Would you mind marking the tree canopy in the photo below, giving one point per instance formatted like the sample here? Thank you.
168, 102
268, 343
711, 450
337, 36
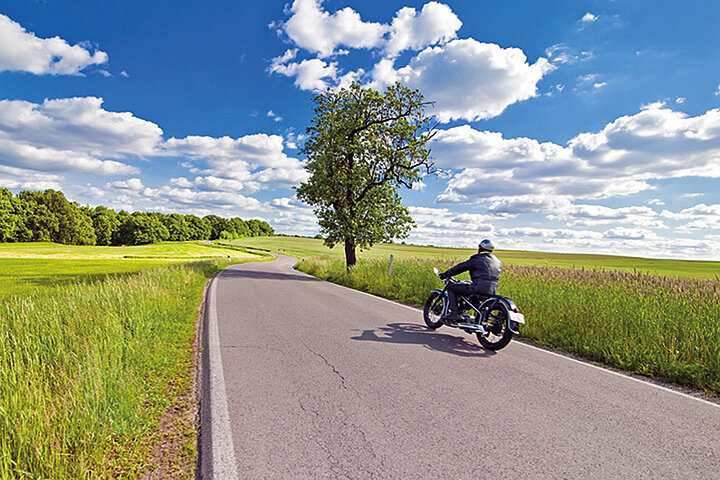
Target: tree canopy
34, 216
363, 145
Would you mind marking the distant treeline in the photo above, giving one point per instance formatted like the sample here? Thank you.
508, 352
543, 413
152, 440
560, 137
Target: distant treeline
34, 216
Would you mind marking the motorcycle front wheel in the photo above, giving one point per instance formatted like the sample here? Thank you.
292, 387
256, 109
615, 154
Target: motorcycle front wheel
435, 306
495, 321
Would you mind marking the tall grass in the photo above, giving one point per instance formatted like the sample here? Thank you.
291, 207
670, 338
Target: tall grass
85, 371
665, 327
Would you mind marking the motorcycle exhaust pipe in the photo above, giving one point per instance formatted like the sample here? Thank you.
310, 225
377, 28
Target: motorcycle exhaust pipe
471, 326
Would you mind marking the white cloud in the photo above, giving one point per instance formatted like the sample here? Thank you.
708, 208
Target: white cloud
132, 194
318, 31
22, 51
131, 184
622, 233
78, 136
656, 143
73, 135
78, 124
592, 215
20, 178
471, 80
467, 79
699, 217
246, 164
274, 116
436, 23
313, 74
589, 18
563, 54
258, 150
443, 227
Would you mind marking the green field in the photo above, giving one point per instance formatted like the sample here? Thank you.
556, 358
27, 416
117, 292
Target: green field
27, 266
95, 347
309, 247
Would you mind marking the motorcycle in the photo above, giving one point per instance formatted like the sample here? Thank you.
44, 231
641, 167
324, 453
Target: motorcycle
494, 318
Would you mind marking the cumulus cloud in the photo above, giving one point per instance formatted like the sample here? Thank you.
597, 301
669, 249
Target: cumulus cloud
133, 194
592, 215
289, 215
78, 136
442, 226
472, 80
246, 164
410, 30
73, 135
621, 159
23, 51
699, 217
320, 32
21, 178
589, 18
467, 79
313, 74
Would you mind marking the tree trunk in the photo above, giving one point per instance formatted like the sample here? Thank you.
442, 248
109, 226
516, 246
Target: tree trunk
350, 258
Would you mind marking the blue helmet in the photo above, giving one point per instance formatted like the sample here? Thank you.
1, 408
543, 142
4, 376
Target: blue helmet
486, 245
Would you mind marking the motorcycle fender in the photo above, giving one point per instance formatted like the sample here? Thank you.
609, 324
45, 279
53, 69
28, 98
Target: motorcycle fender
440, 292
510, 305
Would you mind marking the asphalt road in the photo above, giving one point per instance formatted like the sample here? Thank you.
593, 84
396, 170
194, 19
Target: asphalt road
320, 381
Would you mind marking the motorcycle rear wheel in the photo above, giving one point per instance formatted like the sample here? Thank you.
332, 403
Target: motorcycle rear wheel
435, 306
495, 321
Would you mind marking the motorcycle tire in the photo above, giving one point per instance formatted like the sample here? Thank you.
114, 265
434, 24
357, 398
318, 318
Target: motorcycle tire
434, 308
495, 320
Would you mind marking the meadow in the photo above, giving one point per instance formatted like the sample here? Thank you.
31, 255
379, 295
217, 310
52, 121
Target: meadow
657, 318
25, 267
308, 247
96, 343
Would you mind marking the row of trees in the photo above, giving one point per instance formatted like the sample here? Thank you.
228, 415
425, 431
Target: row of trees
34, 216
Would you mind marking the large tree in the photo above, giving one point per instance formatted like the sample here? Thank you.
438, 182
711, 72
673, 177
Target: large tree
362, 146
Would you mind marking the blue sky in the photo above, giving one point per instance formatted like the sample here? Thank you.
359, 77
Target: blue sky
572, 126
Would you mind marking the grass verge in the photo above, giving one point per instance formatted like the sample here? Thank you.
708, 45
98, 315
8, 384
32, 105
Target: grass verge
663, 327
87, 370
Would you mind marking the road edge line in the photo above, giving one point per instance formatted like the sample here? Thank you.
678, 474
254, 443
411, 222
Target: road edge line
222, 447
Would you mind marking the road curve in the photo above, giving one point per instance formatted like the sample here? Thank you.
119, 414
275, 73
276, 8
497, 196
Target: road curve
320, 381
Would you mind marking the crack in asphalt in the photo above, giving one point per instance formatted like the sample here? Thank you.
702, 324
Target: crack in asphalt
308, 410
335, 370
338, 467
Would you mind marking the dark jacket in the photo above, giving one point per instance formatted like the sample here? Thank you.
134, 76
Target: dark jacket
484, 271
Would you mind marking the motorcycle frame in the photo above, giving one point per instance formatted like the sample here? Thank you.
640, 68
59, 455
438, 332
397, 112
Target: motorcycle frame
491, 299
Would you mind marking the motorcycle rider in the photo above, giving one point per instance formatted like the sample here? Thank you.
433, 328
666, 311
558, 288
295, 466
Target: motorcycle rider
484, 270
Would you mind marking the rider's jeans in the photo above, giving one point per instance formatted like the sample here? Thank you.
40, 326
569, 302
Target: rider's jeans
455, 289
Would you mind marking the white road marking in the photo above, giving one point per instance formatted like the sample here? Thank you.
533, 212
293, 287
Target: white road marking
223, 450
587, 364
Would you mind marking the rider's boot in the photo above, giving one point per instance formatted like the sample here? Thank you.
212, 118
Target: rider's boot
452, 317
